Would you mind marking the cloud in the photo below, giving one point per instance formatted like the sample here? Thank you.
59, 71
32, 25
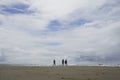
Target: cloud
36, 32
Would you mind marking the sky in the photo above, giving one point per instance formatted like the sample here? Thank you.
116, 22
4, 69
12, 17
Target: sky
84, 32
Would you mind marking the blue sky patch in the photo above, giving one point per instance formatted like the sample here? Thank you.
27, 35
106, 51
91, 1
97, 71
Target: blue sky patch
54, 25
16, 9
78, 22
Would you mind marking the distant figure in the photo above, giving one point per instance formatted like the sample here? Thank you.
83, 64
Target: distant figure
63, 62
54, 62
66, 62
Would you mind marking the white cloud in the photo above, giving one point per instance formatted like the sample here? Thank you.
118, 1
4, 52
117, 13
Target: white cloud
53, 9
26, 39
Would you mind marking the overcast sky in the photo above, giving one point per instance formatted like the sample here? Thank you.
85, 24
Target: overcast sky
38, 31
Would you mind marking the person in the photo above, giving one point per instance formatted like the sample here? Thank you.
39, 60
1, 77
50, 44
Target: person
66, 62
63, 62
54, 62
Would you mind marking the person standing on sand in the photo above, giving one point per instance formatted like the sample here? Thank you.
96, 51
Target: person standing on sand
54, 62
63, 62
66, 62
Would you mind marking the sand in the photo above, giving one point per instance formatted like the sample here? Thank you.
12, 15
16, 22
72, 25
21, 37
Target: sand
59, 73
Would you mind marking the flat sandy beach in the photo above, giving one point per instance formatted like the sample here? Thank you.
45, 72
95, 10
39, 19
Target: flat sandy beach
59, 73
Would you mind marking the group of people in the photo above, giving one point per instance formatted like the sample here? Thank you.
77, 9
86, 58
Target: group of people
64, 62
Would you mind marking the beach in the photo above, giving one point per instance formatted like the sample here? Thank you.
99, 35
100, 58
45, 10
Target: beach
8, 72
